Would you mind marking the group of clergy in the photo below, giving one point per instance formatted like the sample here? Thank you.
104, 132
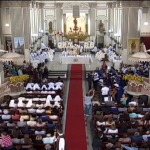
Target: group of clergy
110, 51
76, 50
42, 54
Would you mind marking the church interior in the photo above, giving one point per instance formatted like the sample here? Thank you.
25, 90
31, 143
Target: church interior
69, 65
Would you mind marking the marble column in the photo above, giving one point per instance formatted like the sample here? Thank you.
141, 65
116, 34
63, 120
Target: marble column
20, 22
92, 14
129, 27
59, 17
86, 22
64, 23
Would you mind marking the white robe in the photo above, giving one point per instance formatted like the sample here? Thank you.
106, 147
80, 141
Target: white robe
29, 86
36, 86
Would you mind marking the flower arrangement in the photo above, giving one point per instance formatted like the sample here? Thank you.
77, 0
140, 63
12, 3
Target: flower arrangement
102, 31
19, 78
81, 37
51, 31
133, 77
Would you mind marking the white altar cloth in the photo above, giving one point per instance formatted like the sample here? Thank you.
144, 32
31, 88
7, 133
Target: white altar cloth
79, 59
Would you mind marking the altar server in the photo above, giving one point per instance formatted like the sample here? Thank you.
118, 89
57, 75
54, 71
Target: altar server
94, 50
43, 46
65, 53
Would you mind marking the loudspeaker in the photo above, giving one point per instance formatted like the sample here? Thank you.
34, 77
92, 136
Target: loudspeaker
76, 11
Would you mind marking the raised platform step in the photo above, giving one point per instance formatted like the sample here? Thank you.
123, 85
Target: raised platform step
56, 74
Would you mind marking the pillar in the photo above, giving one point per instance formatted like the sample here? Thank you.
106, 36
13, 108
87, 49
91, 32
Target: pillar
92, 14
59, 17
20, 22
64, 23
129, 26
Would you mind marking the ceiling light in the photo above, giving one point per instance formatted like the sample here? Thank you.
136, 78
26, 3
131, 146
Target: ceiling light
146, 23
7, 24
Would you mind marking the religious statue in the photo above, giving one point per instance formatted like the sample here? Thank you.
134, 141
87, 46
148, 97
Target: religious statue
101, 27
75, 25
133, 47
50, 25
143, 47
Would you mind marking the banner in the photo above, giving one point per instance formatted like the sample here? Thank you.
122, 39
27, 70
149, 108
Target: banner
133, 45
19, 45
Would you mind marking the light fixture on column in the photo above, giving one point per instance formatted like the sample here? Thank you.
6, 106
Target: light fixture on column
145, 23
110, 31
145, 10
116, 34
42, 31
6, 14
7, 24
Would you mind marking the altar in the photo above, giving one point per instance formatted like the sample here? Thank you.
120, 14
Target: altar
79, 59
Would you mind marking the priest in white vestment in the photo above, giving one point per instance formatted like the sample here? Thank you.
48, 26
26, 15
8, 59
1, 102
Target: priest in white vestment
94, 50
64, 53
43, 46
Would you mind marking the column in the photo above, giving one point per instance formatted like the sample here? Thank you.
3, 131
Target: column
59, 17
0, 26
64, 23
129, 25
27, 24
86, 23
124, 29
92, 13
20, 22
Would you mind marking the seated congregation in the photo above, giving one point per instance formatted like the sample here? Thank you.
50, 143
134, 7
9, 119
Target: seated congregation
33, 119
121, 121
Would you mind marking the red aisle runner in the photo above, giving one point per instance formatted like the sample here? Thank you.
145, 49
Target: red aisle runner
75, 123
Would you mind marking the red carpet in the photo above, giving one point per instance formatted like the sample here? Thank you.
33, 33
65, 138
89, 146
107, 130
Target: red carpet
75, 122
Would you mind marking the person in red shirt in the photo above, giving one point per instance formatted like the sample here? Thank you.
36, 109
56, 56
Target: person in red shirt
6, 142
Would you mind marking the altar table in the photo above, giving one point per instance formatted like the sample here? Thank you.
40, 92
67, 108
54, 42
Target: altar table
79, 59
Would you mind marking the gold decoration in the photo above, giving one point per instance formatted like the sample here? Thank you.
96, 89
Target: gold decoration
81, 37
19, 78
65, 27
133, 78
102, 31
51, 31
86, 28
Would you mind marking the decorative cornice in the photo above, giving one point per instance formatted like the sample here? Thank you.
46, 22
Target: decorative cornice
41, 5
130, 3
25, 4
92, 5
58, 5
114, 5
109, 5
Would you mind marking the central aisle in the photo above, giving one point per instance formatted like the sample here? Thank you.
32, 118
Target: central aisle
75, 122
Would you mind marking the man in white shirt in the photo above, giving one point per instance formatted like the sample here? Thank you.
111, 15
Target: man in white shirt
20, 72
49, 139
88, 102
105, 92
32, 109
95, 79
